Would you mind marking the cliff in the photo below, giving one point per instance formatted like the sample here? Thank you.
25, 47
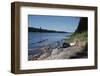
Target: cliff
83, 25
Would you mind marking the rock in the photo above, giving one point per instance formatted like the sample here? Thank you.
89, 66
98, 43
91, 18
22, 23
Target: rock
45, 55
64, 53
65, 45
83, 25
56, 51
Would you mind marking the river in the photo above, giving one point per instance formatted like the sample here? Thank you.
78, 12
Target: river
37, 40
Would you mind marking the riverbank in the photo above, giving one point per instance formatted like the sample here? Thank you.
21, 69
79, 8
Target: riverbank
78, 50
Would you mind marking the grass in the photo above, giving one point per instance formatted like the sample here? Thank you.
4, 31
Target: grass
82, 37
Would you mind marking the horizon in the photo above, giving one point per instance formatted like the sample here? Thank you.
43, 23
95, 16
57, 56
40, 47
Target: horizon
57, 23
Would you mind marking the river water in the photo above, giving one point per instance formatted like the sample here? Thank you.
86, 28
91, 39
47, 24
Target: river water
37, 40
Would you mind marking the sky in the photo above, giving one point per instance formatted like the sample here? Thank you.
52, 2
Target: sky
58, 23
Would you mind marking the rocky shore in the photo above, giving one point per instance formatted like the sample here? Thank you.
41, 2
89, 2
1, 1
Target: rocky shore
60, 50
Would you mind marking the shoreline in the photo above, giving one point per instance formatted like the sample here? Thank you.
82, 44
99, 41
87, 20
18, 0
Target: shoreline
57, 51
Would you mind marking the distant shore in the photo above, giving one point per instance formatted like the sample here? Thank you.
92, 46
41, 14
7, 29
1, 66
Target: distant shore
33, 29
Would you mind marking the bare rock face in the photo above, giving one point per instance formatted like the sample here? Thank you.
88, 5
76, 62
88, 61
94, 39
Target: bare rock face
54, 54
64, 53
83, 25
45, 55
56, 51
59, 53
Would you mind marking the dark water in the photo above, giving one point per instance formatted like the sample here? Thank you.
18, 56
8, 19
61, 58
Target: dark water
37, 40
